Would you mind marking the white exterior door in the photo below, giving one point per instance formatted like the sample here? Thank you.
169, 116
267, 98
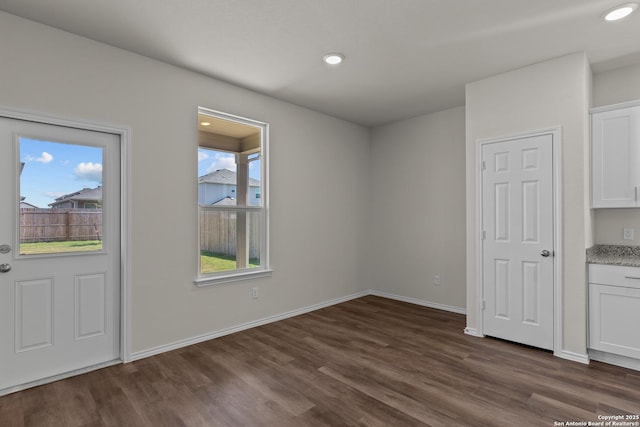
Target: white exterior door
517, 245
60, 279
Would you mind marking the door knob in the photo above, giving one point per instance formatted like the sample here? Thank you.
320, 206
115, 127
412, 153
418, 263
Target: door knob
5, 268
5, 249
545, 253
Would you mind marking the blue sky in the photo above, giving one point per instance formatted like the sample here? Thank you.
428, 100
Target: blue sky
212, 160
53, 169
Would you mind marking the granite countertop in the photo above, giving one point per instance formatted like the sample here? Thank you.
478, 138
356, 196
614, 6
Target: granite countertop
614, 255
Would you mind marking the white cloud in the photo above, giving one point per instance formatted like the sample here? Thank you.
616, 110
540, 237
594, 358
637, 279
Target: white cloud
222, 161
202, 156
88, 172
44, 158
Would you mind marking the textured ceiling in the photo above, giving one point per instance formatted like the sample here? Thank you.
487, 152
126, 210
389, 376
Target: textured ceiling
403, 57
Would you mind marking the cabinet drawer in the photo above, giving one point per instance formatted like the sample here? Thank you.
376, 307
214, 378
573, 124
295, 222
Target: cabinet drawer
614, 316
614, 275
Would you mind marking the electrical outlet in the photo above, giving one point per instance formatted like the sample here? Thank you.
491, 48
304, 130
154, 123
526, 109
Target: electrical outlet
437, 280
627, 233
255, 293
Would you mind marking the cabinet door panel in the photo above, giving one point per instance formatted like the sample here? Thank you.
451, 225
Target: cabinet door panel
615, 158
614, 316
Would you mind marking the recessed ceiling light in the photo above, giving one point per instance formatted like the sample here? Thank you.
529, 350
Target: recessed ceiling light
621, 11
205, 123
333, 58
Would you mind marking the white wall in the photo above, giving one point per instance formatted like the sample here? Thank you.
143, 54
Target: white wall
317, 237
335, 240
418, 208
613, 87
616, 86
541, 96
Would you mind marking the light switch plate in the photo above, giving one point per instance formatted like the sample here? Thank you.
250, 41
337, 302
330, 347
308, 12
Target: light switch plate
627, 233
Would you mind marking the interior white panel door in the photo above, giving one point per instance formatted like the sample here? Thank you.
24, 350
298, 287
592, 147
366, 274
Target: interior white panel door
59, 311
517, 245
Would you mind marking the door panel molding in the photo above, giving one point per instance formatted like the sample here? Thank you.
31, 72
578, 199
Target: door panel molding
33, 328
90, 292
124, 135
531, 160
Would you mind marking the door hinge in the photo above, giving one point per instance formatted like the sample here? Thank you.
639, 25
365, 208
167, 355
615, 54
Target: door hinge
483, 235
484, 305
483, 165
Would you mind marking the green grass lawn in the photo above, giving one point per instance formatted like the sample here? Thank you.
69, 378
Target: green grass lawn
60, 247
211, 262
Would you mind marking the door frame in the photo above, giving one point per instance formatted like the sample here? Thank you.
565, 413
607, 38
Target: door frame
556, 141
124, 135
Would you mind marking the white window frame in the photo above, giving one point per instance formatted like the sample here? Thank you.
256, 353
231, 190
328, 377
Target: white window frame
264, 270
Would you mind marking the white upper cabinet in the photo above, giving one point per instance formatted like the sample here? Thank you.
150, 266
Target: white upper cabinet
616, 157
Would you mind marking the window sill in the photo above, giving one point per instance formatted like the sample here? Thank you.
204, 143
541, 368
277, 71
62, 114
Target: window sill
233, 277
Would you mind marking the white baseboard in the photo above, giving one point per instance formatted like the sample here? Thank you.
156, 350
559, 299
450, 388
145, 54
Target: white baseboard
421, 302
201, 338
575, 357
195, 340
614, 359
473, 332
564, 354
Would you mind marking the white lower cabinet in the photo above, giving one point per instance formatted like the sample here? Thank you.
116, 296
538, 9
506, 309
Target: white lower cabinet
614, 309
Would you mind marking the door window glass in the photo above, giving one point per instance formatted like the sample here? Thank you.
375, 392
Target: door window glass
60, 197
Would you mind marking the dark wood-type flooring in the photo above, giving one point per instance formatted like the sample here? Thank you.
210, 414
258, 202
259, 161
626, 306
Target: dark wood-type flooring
366, 362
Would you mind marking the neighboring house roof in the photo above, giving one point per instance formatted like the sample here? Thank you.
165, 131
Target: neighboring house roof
86, 195
224, 176
25, 205
227, 201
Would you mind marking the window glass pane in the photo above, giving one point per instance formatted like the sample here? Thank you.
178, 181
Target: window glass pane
218, 179
60, 197
231, 198
255, 187
222, 234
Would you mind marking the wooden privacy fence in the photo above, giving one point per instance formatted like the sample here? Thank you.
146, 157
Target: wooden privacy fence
218, 232
54, 225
